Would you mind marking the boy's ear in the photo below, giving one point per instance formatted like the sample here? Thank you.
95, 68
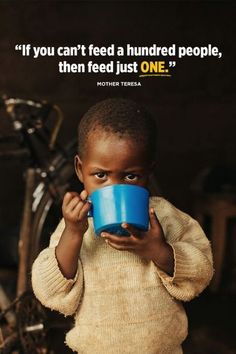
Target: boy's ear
78, 167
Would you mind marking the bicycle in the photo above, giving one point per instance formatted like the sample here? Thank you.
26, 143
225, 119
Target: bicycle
49, 174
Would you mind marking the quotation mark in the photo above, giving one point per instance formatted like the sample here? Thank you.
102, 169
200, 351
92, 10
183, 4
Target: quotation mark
18, 46
172, 64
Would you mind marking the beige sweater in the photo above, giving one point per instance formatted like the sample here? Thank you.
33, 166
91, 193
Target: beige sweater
121, 302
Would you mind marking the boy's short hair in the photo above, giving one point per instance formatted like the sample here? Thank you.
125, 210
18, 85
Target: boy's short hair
119, 116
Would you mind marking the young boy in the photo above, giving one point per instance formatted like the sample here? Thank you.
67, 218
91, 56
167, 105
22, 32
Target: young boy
125, 292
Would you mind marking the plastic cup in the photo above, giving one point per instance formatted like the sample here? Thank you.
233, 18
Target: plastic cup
119, 203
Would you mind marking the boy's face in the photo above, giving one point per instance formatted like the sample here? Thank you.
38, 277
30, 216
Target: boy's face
109, 159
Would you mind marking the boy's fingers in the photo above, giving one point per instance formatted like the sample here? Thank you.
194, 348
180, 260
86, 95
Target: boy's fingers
118, 240
132, 230
74, 204
111, 237
79, 207
68, 197
83, 212
73, 201
154, 222
75, 210
83, 195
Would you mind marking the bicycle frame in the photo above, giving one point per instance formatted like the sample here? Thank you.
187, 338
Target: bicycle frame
46, 179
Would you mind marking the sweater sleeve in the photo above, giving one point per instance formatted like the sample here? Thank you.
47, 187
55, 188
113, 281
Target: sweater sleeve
49, 285
193, 267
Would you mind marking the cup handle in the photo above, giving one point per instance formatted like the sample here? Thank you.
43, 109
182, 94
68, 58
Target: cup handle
90, 212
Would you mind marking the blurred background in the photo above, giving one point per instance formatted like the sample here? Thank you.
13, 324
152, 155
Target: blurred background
195, 110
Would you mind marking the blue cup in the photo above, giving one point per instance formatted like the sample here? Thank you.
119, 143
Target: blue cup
113, 205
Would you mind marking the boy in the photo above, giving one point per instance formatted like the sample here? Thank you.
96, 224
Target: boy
125, 292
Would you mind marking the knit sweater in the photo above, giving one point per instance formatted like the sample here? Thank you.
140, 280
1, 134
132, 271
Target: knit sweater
123, 303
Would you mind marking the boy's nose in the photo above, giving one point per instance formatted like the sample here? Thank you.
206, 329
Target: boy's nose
115, 180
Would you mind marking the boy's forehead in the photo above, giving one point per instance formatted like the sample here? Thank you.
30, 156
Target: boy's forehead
105, 139
111, 145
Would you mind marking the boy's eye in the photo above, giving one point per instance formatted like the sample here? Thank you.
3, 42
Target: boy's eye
131, 177
100, 175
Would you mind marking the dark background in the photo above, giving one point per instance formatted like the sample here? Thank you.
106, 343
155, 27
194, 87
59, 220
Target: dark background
195, 108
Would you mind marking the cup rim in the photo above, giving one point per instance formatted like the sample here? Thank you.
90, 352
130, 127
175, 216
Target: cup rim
120, 186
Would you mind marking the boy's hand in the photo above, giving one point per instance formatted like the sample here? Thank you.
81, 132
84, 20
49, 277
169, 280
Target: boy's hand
75, 208
150, 245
